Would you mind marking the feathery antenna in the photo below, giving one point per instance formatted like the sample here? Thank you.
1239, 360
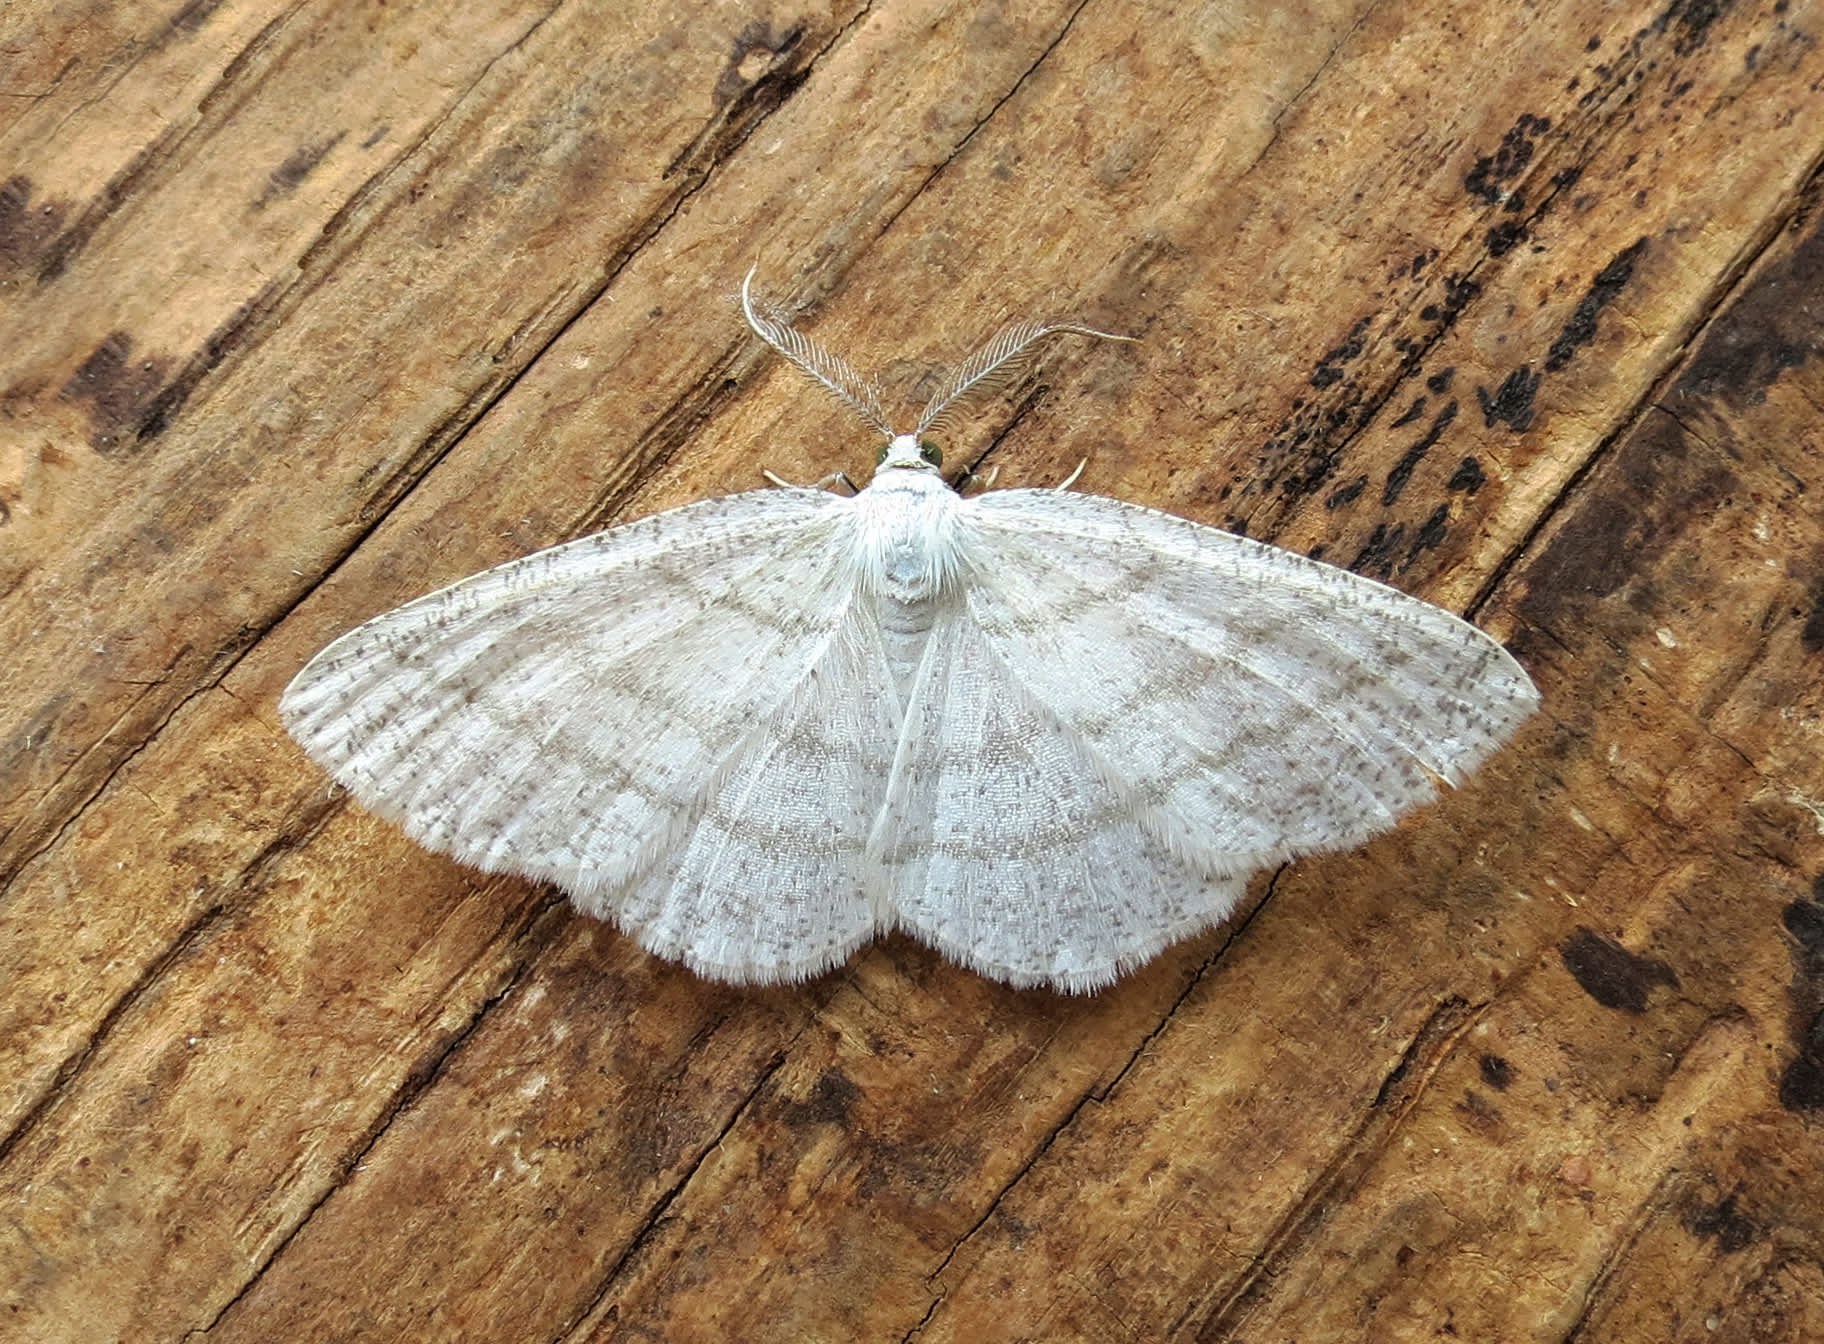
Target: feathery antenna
833, 371
995, 363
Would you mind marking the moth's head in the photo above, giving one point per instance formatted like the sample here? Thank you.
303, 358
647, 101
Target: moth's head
908, 450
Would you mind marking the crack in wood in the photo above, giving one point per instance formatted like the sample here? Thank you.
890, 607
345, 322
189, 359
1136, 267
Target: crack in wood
1098, 1095
1400, 1092
53, 832
535, 932
655, 1219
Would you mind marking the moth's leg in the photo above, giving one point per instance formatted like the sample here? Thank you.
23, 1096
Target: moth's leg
971, 476
824, 484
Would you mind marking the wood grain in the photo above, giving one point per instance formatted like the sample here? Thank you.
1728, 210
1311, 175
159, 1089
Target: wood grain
308, 309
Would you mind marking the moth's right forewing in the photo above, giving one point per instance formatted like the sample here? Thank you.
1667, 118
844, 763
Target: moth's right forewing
1265, 704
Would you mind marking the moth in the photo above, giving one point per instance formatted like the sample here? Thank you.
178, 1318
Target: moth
1047, 733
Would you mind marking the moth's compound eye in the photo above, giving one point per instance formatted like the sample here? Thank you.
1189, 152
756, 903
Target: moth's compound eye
931, 453
881, 456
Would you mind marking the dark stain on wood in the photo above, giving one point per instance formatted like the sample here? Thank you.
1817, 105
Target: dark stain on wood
1610, 974
1722, 1223
1345, 494
118, 389
1512, 402
1377, 553
1811, 634
754, 52
1508, 161
1691, 21
831, 1102
1802, 1080
1480, 1113
26, 230
298, 165
187, 21
1403, 469
1769, 332
1430, 535
1329, 370
1508, 234
1468, 476
1641, 507
1496, 1072
1580, 330
1459, 292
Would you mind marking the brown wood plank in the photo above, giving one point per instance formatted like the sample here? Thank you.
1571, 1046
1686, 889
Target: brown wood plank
309, 309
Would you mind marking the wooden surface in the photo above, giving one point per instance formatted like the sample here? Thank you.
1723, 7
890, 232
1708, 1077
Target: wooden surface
306, 309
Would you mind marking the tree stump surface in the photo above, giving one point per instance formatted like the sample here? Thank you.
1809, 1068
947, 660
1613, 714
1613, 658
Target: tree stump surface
308, 309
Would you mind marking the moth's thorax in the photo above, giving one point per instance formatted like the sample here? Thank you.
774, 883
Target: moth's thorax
907, 543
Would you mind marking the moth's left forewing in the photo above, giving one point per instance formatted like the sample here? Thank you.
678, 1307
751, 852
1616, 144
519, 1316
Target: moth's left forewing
563, 715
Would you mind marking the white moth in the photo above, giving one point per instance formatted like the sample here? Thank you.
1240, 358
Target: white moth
1047, 733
